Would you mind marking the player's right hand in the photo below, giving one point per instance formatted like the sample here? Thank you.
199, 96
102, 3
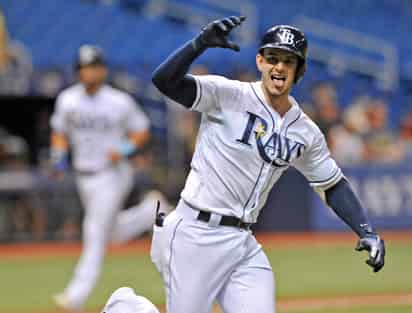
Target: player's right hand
376, 248
215, 34
58, 164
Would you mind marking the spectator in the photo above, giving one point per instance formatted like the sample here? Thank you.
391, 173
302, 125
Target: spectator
127, 82
345, 140
244, 75
13, 151
26, 218
326, 107
15, 64
345, 143
381, 143
49, 83
405, 135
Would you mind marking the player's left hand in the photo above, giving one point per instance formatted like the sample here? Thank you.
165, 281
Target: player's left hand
215, 34
376, 248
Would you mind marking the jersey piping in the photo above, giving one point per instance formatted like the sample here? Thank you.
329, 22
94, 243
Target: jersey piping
264, 105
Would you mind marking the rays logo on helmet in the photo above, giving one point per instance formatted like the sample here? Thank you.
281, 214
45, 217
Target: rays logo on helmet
286, 37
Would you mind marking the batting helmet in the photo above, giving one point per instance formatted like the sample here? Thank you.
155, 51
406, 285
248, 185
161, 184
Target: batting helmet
287, 38
89, 55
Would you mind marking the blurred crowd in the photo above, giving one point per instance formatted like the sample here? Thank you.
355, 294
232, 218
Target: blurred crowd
357, 133
360, 133
15, 64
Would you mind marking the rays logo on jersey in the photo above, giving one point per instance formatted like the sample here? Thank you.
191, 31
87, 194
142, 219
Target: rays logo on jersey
277, 149
91, 122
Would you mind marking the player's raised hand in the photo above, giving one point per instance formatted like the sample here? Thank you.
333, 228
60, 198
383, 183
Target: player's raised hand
376, 248
215, 34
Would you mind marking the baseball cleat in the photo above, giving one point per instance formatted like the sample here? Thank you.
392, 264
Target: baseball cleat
125, 300
63, 302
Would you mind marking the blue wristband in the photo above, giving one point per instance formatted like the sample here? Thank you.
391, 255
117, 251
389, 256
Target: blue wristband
59, 159
127, 148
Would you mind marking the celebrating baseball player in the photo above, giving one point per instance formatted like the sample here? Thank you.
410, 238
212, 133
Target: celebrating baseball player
103, 127
250, 133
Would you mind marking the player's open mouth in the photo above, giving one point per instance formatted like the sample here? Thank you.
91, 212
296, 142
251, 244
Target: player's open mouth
277, 78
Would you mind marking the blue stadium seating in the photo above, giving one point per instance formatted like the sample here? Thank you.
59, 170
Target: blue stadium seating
52, 29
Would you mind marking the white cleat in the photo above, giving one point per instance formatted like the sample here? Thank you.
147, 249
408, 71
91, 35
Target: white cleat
124, 300
63, 302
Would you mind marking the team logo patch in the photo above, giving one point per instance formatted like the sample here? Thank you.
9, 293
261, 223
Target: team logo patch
274, 148
286, 36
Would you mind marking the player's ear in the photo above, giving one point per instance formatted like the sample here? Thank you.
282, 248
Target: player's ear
259, 62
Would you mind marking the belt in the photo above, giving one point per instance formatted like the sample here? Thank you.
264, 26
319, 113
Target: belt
225, 220
86, 172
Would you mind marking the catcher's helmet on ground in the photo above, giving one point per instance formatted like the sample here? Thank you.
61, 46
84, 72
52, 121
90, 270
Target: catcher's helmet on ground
287, 38
89, 55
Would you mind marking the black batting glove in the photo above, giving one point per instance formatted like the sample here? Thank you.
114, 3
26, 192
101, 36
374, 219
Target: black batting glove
372, 243
215, 34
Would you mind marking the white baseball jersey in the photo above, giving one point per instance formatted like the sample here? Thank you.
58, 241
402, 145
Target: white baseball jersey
244, 146
96, 124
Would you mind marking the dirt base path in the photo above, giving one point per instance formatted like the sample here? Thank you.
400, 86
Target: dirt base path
325, 303
335, 303
343, 302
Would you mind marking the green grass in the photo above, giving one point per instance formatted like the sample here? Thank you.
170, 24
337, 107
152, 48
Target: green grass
338, 270
37, 279
26, 284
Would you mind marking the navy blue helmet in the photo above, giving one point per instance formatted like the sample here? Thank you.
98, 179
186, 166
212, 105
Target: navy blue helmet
287, 38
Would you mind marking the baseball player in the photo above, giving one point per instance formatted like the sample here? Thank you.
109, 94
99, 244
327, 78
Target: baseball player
250, 133
102, 126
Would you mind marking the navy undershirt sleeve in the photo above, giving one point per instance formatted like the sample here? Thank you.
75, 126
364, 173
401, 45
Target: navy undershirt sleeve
347, 206
171, 77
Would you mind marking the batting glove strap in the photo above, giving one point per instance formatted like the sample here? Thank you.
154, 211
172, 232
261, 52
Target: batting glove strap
372, 243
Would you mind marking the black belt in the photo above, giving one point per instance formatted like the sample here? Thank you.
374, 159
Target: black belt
86, 172
225, 220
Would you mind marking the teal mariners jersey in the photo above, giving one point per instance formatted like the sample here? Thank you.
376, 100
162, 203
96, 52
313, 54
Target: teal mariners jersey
244, 146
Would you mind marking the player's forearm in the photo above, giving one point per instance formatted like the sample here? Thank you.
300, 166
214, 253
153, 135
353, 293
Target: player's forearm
347, 206
59, 147
170, 76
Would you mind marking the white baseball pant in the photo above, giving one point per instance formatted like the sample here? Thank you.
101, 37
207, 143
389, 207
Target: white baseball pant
204, 262
102, 195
